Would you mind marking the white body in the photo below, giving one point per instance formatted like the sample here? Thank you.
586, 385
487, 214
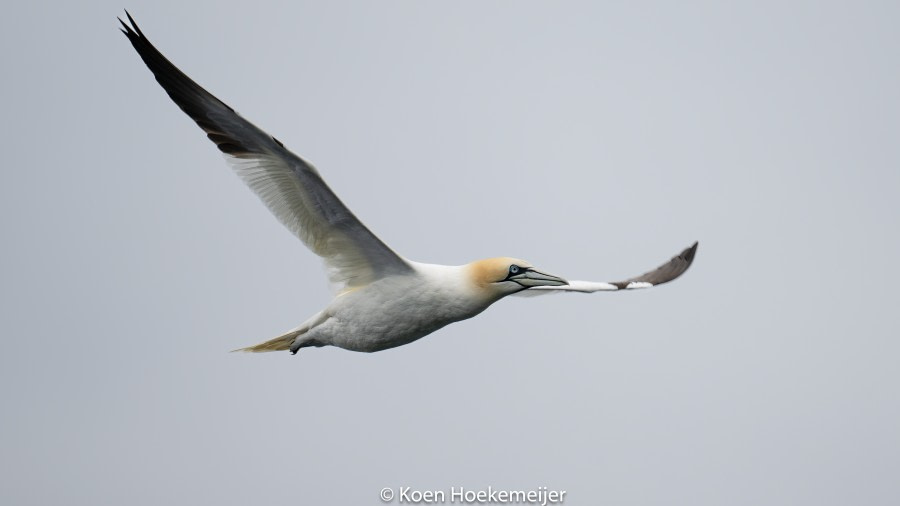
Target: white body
396, 310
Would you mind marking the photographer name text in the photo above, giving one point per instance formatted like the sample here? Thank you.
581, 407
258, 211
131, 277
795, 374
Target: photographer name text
541, 496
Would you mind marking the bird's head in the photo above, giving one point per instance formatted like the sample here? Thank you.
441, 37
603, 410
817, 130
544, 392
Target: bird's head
499, 277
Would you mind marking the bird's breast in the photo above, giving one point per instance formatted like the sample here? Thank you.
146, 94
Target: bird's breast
398, 310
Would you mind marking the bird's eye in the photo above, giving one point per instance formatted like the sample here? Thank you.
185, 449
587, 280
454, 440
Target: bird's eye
513, 269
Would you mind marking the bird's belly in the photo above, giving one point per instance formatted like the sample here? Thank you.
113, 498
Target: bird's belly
387, 330
392, 318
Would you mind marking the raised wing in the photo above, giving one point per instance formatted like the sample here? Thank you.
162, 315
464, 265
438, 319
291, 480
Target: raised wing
289, 186
662, 274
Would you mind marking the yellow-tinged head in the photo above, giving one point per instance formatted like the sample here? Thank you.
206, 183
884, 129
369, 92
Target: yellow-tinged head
503, 276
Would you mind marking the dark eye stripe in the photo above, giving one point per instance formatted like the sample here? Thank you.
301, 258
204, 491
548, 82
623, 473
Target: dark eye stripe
518, 270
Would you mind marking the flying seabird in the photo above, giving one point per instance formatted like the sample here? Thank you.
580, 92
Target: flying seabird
382, 299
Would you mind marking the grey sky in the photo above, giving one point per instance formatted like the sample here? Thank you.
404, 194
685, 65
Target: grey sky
593, 139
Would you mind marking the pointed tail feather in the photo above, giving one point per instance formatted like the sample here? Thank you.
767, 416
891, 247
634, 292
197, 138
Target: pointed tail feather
280, 343
286, 340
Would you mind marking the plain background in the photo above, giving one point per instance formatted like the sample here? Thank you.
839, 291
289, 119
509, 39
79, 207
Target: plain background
593, 139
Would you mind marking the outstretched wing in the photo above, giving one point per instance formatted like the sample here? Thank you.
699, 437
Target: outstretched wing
289, 186
662, 274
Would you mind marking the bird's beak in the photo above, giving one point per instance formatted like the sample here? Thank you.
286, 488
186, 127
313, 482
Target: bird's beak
532, 277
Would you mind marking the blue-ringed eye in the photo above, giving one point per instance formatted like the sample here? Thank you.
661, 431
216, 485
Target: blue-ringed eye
513, 269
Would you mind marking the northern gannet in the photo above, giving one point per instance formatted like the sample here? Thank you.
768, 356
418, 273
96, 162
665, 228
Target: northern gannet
382, 299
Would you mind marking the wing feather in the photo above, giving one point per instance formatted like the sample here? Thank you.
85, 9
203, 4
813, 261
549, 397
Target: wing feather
662, 274
290, 187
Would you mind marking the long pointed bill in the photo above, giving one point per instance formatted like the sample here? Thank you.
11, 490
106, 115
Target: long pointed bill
532, 278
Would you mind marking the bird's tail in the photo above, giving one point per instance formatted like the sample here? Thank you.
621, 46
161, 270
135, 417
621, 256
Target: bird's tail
280, 343
286, 340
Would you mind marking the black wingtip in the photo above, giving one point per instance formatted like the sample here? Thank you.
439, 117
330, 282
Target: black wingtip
131, 28
689, 253
685, 258
133, 23
666, 272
